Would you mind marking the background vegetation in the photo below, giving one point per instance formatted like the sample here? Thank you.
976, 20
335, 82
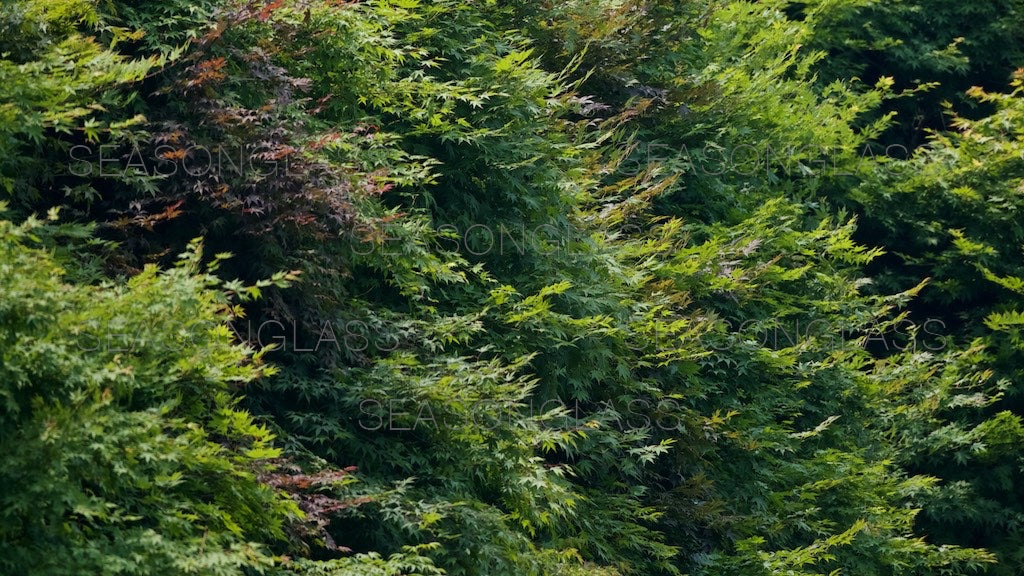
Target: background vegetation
614, 287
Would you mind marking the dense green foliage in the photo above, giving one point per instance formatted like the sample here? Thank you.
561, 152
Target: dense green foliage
619, 287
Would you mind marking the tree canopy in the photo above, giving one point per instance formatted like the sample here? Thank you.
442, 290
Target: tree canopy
604, 287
